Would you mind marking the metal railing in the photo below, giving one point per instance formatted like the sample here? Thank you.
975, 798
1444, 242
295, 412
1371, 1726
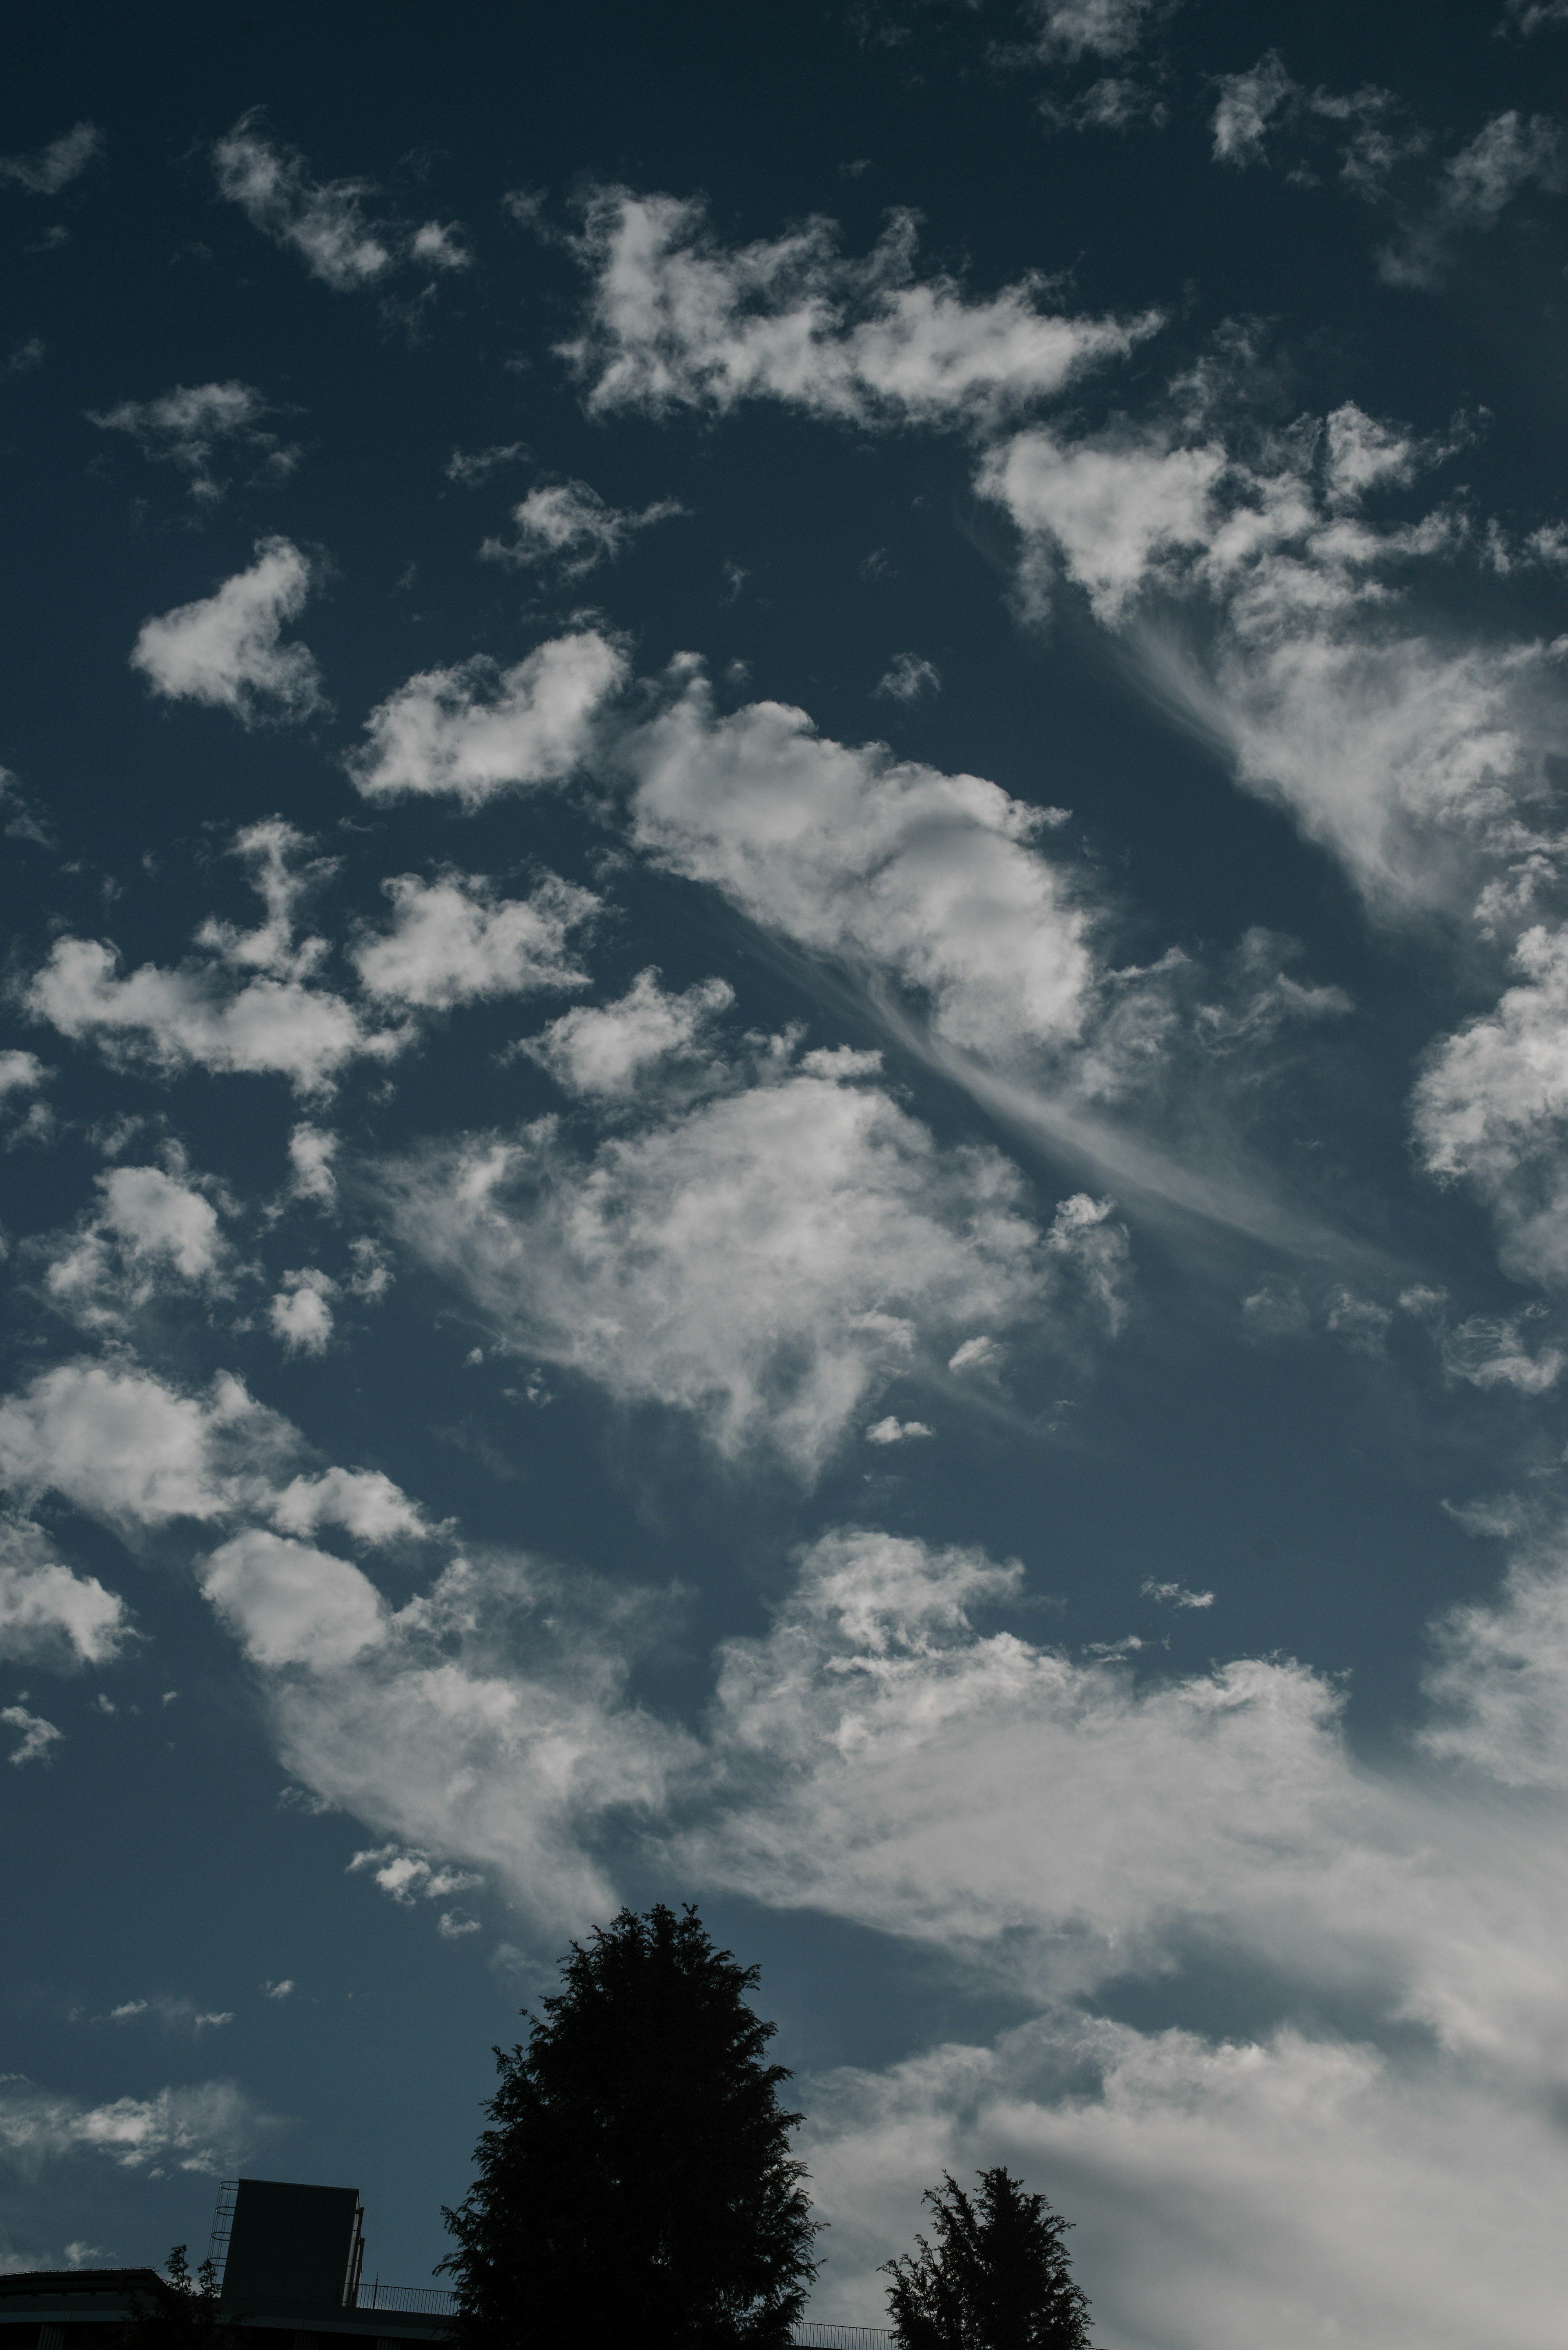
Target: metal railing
420, 2300
811, 2336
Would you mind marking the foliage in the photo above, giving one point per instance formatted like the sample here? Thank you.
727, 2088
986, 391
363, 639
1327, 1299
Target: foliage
997, 2280
186, 2316
636, 2183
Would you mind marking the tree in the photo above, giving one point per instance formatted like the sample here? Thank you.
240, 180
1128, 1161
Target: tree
635, 2182
185, 2314
998, 2279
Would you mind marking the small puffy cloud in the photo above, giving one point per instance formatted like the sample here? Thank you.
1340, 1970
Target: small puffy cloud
1248, 104
210, 2127
1491, 1351
766, 1262
1175, 1595
37, 1735
411, 1876
186, 426
196, 1016
908, 676
225, 650
439, 245
364, 1502
892, 1430
975, 1355
928, 880
474, 731
456, 940
1114, 510
300, 1315
469, 466
570, 524
117, 1442
1098, 28
151, 1231
48, 1614
323, 221
606, 1052
1491, 1109
21, 1073
1508, 154
288, 1603
278, 1989
56, 166
1360, 1323
677, 319
311, 1150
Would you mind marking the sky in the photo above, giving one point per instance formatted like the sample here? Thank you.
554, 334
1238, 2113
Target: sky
784, 1112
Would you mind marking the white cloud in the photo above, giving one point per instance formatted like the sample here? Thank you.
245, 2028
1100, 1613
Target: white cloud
1287, 2187
408, 1875
1492, 1108
186, 426
1530, 16
892, 1430
119, 1443
908, 676
323, 221
439, 245
195, 1017
49, 1615
1499, 1684
151, 1231
766, 1262
1248, 104
454, 940
21, 1073
364, 1502
37, 1736
300, 1315
1509, 153
927, 880
569, 523
1174, 1595
212, 2125
474, 731
311, 1150
606, 1052
1490, 1351
1099, 28
675, 319
56, 166
223, 650
477, 464
288, 1603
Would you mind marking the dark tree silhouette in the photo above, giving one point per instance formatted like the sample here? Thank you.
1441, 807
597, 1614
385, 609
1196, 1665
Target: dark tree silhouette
636, 2183
184, 2314
997, 2280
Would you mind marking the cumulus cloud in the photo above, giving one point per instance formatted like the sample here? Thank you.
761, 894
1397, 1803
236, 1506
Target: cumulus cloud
931, 880
410, 1874
893, 1431
456, 940
151, 1232
1491, 1109
323, 221
288, 1603
1098, 28
766, 1261
606, 1052
300, 1313
54, 167
311, 1151
115, 1440
1266, 610
1511, 152
907, 677
225, 650
48, 1614
187, 427
568, 523
37, 1738
475, 730
1249, 103
250, 1007
675, 319
210, 2125
364, 1502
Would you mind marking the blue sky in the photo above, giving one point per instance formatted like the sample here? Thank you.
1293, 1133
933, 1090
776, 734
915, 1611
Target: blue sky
785, 1112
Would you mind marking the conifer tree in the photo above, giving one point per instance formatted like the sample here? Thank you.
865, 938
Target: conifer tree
636, 2185
997, 2278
